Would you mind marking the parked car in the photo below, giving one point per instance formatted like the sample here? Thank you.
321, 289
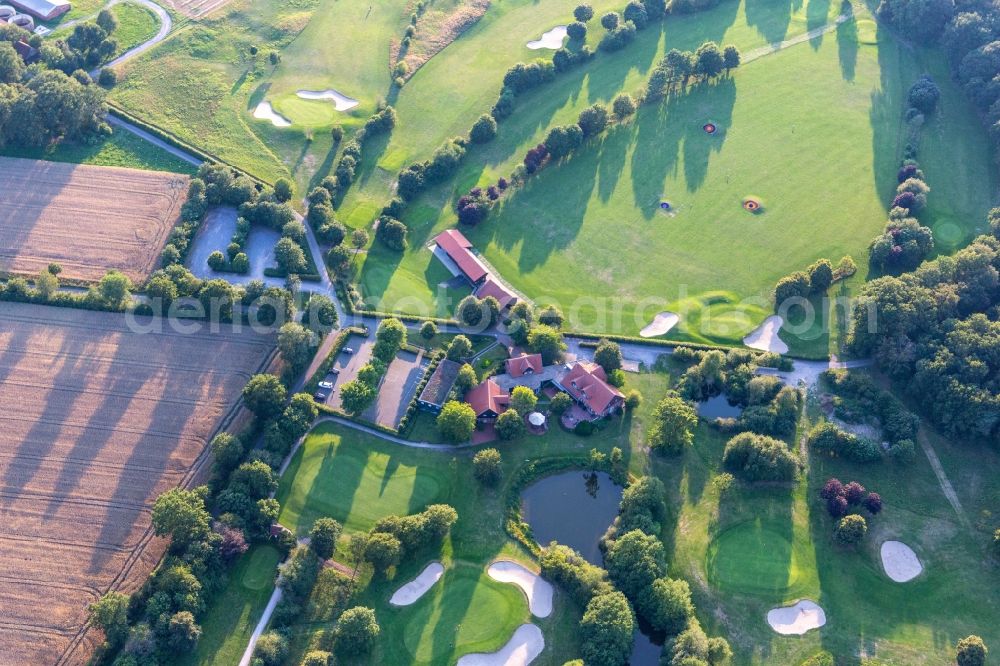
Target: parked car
334, 372
322, 394
326, 385
348, 350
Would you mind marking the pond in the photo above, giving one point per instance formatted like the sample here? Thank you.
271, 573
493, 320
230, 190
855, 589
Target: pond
572, 508
644, 651
718, 407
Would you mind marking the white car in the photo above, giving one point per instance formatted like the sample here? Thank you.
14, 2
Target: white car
326, 385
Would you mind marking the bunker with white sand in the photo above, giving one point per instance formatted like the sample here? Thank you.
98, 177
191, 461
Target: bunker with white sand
552, 39
765, 337
537, 590
662, 323
522, 649
796, 620
265, 111
899, 561
341, 102
418, 587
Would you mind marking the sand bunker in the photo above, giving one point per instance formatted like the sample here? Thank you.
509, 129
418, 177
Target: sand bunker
765, 337
522, 648
900, 562
538, 591
553, 39
417, 587
340, 102
797, 619
265, 111
661, 323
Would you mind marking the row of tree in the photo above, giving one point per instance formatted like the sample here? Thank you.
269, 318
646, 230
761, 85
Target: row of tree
359, 393
677, 68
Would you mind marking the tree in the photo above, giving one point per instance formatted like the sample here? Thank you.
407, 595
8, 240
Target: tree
523, 400
459, 348
282, 190
593, 120
730, 57
356, 396
316, 658
924, 95
466, 379
323, 537
610, 21
693, 648
606, 630
608, 355
456, 421
854, 493
672, 429
487, 467
264, 395
510, 424
583, 13
46, 284
255, 478
110, 615
296, 344
667, 605
873, 502
429, 330
227, 450
562, 140
183, 632
383, 550
971, 651
635, 13
560, 403
708, 60
470, 312
577, 31
181, 515
11, 65
114, 290
484, 129
234, 541
851, 529
759, 458
392, 233
634, 560
795, 285
633, 399
820, 276
623, 106
271, 648
551, 316
289, 256
547, 341
391, 332
357, 630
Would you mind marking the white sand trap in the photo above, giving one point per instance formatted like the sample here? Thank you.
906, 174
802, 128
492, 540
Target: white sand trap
538, 591
553, 39
765, 337
900, 562
797, 619
661, 323
417, 587
522, 648
340, 102
265, 111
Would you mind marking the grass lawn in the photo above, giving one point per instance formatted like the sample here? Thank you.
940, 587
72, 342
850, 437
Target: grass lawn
122, 149
136, 24
756, 548
227, 626
825, 179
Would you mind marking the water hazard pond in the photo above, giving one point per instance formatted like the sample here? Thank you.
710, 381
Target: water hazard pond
574, 508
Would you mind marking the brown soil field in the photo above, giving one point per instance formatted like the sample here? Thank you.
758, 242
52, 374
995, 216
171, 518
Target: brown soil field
98, 420
88, 219
195, 8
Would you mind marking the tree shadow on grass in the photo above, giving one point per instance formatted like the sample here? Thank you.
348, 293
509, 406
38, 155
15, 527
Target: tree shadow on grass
771, 18
334, 486
816, 17
847, 47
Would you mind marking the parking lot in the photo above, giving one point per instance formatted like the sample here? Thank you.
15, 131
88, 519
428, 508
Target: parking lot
348, 365
397, 389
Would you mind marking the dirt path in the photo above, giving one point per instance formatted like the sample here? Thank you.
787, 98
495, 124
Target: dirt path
946, 487
774, 47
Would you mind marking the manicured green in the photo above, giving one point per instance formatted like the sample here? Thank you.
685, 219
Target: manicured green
122, 149
335, 475
751, 556
230, 620
825, 177
136, 24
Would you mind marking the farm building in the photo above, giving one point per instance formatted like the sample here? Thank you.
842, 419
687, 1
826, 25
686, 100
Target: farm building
45, 10
456, 253
588, 385
488, 401
439, 386
525, 364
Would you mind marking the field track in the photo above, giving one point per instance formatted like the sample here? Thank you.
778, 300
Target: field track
88, 219
98, 420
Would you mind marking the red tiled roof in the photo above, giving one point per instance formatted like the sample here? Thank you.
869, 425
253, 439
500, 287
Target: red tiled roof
459, 249
587, 383
522, 365
487, 397
496, 289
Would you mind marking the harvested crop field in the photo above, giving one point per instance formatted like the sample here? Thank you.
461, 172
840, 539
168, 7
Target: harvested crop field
195, 8
88, 219
98, 421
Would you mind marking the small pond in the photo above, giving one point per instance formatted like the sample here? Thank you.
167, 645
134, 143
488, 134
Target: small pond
644, 651
718, 408
573, 508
